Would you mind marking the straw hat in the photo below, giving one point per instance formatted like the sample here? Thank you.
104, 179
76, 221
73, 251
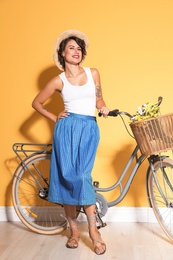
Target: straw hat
63, 36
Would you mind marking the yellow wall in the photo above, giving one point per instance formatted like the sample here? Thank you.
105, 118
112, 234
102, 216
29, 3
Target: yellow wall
130, 44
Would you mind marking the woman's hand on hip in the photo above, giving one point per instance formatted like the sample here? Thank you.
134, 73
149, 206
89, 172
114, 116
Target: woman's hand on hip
63, 114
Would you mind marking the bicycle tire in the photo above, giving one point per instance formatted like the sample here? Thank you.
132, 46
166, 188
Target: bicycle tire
163, 209
30, 200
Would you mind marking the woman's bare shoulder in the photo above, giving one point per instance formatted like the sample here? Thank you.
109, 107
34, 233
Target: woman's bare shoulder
95, 74
94, 71
55, 83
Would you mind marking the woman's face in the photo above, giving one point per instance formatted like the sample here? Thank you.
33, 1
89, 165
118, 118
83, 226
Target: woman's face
72, 53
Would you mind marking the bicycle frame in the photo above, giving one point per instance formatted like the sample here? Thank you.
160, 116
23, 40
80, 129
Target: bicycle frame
123, 190
30, 149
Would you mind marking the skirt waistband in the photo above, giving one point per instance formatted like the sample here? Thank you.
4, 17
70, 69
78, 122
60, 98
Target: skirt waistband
83, 116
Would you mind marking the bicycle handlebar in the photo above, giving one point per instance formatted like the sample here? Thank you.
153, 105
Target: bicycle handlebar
116, 112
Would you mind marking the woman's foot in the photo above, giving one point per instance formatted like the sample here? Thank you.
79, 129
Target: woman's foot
98, 244
73, 240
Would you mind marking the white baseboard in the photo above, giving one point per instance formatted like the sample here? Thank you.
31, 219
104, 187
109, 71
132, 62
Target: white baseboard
8, 214
114, 214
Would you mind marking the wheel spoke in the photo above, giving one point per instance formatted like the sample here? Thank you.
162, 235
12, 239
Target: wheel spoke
30, 188
161, 194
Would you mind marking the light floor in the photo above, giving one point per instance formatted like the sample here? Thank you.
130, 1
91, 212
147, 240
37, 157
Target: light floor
125, 241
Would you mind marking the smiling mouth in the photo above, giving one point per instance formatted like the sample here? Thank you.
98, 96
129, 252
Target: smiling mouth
76, 56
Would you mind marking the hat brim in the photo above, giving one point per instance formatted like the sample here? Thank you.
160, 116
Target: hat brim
64, 36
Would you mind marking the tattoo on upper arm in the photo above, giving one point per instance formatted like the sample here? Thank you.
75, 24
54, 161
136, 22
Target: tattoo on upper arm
98, 92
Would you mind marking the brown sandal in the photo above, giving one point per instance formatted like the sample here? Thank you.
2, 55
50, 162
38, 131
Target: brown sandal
97, 242
72, 241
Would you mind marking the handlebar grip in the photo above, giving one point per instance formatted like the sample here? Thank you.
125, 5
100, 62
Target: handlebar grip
114, 112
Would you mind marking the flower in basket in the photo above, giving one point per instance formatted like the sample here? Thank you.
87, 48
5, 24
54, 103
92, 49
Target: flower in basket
146, 111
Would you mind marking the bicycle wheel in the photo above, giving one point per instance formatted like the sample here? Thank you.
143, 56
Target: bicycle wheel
29, 193
160, 192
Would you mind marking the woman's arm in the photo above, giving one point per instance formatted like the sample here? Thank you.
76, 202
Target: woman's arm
100, 103
38, 103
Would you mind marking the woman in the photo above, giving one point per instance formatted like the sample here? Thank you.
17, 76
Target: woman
76, 134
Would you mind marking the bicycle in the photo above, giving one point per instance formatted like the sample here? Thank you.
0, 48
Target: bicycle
31, 178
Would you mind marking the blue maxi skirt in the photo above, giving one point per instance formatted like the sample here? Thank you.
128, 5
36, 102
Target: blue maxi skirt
74, 146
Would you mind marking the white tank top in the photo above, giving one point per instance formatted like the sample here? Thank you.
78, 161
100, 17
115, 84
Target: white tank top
79, 99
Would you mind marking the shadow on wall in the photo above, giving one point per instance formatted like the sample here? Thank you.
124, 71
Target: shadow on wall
55, 105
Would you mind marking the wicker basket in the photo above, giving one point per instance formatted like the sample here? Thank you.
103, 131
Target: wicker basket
154, 135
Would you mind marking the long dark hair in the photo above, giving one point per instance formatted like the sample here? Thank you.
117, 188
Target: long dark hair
63, 44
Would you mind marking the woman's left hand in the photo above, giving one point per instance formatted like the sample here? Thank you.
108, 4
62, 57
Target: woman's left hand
104, 111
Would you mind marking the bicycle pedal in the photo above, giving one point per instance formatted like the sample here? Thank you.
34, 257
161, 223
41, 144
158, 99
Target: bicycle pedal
101, 226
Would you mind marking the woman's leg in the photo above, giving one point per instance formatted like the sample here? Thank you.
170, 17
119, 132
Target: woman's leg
70, 212
99, 245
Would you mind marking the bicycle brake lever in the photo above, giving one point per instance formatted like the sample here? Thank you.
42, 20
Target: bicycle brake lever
159, 100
